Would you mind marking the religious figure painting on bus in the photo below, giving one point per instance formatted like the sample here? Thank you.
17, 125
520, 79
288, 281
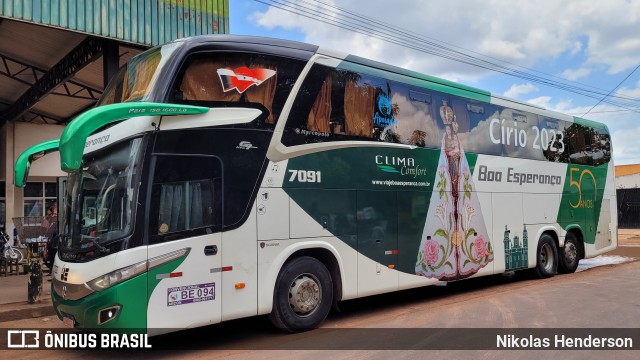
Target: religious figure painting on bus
455, 243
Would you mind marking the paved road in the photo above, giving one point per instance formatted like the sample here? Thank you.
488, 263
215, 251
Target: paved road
607, 297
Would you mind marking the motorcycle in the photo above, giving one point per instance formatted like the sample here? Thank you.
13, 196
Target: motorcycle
10, 253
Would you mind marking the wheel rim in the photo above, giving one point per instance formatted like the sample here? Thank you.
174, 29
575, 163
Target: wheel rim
546, 257
305, 294
570, 253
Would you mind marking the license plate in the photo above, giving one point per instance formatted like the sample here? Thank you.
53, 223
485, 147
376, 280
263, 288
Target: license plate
69, 321
181, 295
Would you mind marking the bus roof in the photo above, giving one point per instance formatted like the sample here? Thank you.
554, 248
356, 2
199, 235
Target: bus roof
305, 51
287, 48
249, 40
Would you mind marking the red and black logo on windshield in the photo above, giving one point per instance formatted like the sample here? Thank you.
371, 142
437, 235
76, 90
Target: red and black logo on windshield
243, 78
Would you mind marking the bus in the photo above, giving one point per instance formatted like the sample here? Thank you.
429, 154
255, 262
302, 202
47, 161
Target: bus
222, 177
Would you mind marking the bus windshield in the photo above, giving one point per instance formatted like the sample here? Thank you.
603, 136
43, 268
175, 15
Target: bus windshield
102, 198
135, 80
237, 79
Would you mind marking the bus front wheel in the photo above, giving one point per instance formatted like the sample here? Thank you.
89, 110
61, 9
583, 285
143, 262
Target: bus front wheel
303, 295
569, 255
546, 257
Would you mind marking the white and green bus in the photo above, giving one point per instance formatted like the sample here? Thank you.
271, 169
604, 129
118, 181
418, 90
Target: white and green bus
222, 177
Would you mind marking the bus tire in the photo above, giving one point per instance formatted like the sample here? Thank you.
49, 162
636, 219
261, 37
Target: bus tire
302, 296
546, 257
569, 255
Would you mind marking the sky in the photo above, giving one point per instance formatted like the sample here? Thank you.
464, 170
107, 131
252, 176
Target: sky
590, 44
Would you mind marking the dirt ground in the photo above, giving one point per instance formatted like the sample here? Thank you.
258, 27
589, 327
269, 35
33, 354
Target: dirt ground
628, 237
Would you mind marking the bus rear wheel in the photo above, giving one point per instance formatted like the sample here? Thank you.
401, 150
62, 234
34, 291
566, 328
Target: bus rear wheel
569, 255
303, 295
546, 257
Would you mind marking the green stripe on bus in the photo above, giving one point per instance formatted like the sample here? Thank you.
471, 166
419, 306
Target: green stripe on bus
414, 79
127, 295
590, 123
471, 160
376, 168
582, 198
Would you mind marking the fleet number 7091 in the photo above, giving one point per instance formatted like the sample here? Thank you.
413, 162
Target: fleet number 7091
305, 176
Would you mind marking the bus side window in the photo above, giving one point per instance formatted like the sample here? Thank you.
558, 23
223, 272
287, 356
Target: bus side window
359, 106
600, 147
186, 198
415, 123
342, 104
332, 105
320, 114
579, 144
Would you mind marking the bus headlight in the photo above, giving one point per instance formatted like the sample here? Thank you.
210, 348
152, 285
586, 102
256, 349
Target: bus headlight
106, 281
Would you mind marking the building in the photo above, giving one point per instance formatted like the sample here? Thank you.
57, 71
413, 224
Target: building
628, 194
516, 253
55, 60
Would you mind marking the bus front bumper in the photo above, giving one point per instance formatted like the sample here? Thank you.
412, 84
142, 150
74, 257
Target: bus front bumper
122, 306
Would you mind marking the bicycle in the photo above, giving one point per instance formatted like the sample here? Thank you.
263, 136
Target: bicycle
10, 253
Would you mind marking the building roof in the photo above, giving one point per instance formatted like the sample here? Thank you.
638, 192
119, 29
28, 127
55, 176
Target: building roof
28, 52
51, 59
624, 170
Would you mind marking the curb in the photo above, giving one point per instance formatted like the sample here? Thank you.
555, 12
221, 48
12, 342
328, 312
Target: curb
24, 310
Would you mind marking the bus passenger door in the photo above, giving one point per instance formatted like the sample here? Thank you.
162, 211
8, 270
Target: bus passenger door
184, 232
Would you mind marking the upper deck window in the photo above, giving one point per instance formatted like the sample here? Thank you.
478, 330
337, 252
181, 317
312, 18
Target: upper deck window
600, 147
210, 78
340, 105
136, 80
